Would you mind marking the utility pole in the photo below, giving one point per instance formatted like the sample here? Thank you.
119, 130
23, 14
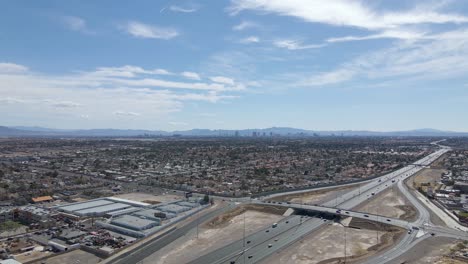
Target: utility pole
198, 222
344, 243
243, 251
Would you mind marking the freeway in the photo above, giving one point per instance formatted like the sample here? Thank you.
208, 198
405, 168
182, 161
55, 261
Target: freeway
263, 243
272, 242
149, 248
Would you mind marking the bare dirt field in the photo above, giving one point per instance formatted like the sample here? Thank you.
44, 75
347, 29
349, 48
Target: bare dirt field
32, 255
390, 203
328, 246
149, 198
73, 257
217, 233
427, 176
431, 250
315, 197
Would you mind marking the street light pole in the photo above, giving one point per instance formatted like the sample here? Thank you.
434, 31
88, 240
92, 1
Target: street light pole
344, 243
243, 251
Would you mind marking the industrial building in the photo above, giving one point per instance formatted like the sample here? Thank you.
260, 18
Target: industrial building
101, 207
135, 219
173, 208
135, 222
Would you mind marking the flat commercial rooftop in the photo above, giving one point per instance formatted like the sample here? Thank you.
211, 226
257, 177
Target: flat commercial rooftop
104, 209
148, 213
173, 208
85, 205
133, 222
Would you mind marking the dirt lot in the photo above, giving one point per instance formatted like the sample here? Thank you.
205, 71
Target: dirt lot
390, 203
431, 250
73, 257
426, 177
32, 255
327, 246
315, 197
215, 234
149, 198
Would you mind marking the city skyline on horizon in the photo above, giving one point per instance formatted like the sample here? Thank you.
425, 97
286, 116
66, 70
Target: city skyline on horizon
168, 66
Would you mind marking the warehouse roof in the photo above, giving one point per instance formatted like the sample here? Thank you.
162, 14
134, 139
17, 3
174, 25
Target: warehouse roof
85, 205
133, 221
103, 209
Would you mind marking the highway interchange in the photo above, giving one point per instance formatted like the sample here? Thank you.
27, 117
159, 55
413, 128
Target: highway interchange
263, 244
256, 247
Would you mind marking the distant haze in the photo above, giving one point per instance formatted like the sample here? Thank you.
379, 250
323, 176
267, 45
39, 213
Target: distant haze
24, 131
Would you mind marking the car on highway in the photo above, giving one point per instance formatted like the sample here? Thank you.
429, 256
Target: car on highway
366, 216
432, 234
274, 225
270, 245
388, 220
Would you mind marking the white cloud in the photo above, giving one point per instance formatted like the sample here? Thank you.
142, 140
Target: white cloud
181, 9
11, 100
295, 44
63, 104
6, 67
177, 123
431, 58
141, 30
161, 72
75, 23
127, 71
346, 13
394, 34
80, 95
191, 75
328, 78
251, 39
244, 25
222, 79
125, 113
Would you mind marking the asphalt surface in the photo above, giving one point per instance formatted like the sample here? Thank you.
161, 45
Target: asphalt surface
263, 243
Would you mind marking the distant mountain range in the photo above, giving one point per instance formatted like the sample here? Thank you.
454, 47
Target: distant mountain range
24, 131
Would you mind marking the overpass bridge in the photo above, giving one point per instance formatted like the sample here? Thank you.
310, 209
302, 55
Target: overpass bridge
342, 213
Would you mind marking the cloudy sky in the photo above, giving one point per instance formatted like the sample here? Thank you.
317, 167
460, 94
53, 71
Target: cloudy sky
172, 64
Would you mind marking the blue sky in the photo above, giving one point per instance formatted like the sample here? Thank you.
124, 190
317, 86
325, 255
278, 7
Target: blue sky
173, 65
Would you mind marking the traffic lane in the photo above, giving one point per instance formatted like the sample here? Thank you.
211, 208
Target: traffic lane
268, 247
391, 253
237, 247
